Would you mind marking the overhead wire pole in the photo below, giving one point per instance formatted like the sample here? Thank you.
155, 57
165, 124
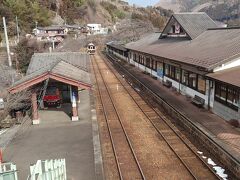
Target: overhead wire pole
7, 42
17, 29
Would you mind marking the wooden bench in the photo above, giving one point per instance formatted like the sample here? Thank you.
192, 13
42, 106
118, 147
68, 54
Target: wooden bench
167, 83
154, 77
198, 101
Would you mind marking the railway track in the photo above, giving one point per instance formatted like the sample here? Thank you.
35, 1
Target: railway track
184, 151
127, 163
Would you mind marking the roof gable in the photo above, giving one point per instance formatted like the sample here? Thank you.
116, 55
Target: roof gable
193, 24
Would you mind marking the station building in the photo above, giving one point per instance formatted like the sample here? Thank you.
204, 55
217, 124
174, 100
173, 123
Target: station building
195, 57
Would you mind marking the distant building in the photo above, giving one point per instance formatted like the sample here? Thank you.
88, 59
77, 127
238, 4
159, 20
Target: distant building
51, 33
95, 29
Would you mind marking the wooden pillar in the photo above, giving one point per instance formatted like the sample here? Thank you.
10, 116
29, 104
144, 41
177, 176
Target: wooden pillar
35, 115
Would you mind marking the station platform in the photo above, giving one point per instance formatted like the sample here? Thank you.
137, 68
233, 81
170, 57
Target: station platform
225, 135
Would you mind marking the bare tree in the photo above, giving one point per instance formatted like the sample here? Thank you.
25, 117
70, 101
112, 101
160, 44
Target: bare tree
18, 100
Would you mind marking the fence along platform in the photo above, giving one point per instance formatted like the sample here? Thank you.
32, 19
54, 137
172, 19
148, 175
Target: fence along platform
48, 170
8, 171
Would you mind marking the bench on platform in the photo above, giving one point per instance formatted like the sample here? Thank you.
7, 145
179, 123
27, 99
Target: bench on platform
167, 83
198, 101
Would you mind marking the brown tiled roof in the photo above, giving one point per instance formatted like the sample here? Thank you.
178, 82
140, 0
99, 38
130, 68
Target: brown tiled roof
230, 76
117, 45
51, 28
194, 23
40, 60
61, 68
209, 50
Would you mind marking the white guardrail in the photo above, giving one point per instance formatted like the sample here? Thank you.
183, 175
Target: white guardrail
48, 170
8, 171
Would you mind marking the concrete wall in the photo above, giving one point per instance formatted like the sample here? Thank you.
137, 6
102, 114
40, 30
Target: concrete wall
225, 112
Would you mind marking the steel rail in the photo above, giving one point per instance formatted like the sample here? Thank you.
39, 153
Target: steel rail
109, 130
165, 121
120, 121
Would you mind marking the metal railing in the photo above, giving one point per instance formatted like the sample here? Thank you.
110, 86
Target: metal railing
8, 171
48, 170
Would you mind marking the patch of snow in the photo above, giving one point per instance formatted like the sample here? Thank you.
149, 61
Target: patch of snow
210, 161
204, 157
220, 172
138, 90
2, 131
199, 152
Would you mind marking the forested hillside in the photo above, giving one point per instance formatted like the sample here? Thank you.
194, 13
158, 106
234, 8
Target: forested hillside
28, 12
47, 12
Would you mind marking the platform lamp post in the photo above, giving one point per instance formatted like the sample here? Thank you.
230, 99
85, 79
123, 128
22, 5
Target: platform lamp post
17, 29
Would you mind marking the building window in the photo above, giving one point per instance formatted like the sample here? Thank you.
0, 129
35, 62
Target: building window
181, 30
232, 96
160, 69
154, 65
227, 95
141, 59
167, 69
172, 72
134, 57
173, 29
192, 80
177, 74
185, 76
201, 84
148, 63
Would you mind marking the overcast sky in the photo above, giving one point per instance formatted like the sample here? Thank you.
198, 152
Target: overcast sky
143, 2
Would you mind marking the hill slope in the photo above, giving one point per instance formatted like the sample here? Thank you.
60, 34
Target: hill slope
46, 12
221, 10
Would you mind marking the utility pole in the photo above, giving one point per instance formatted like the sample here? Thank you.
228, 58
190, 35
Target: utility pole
17, 29
7, 42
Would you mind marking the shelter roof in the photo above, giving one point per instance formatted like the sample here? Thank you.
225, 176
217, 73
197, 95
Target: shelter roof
117, 45
40, 60
64, 70
230, 76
